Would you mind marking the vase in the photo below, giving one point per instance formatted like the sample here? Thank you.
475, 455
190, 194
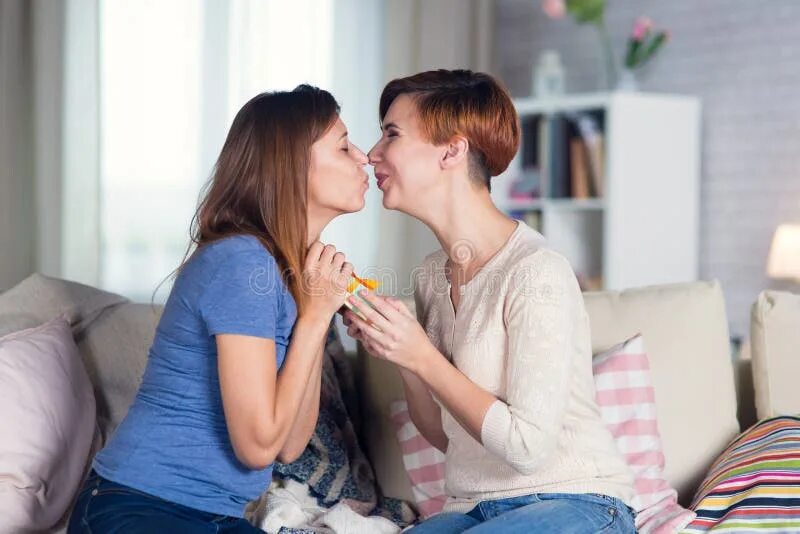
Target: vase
548, 76
627, 81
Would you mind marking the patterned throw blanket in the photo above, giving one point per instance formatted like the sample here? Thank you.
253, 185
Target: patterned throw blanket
754, 486
333, 465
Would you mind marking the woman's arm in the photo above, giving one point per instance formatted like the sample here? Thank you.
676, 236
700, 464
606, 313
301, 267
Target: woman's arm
306, 421
423, 409
425, 413
263, 407
524, 428
425, 371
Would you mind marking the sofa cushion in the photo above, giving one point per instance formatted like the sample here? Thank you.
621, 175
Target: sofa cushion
687, 335
39, 298
114, 350
754, 486
112, 334
626, 398
775, 338
686, 329
424, 463
48, 415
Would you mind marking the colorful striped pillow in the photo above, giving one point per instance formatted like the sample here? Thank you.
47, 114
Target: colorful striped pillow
626, 398
424, 463
754, 485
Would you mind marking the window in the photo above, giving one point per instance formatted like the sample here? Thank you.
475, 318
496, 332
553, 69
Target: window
172, 77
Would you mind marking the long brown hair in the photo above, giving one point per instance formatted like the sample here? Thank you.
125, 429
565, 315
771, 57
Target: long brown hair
259, 183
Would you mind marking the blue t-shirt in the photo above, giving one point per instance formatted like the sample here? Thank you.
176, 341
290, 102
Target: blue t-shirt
174, 441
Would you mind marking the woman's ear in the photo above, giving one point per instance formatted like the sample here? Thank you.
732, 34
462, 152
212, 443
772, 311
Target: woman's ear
456, 152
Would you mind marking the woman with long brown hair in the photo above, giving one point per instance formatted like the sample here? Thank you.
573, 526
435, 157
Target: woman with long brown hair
256, 296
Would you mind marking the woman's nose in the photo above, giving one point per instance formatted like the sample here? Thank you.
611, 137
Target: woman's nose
361, 158
373, 154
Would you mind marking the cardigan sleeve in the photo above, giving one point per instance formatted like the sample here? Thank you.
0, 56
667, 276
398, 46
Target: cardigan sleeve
540, 316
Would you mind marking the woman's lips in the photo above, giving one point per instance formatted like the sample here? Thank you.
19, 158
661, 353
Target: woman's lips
381, 177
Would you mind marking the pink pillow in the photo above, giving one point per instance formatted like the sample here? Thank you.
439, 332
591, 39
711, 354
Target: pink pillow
47, 410
424, 463
626, 398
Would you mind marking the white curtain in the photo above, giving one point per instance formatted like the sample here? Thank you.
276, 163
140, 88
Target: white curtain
422, 35
132, 100
17, 223
147, 93
31, 85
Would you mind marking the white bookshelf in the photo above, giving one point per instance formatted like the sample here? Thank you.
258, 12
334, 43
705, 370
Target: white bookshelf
643, 228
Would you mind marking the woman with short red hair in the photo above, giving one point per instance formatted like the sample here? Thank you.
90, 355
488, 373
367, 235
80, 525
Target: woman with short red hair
498, 375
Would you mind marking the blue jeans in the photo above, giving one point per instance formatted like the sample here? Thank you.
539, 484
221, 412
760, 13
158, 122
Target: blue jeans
110, 508
562, 513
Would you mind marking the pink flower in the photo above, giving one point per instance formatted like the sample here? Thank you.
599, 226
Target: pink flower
555, 9
641, 27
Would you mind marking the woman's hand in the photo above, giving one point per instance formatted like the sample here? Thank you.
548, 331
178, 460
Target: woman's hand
326, 275
400, 340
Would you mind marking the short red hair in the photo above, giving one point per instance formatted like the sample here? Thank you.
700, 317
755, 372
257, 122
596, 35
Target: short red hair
461, 102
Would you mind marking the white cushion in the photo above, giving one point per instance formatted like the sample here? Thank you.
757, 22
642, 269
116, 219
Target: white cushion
48, 416
113, 335
775, 338
688, 344
39, 299
687, 341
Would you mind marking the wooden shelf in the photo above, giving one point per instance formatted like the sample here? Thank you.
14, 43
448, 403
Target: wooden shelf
576, 203
519, 204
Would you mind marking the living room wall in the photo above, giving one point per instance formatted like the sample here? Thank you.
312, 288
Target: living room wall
742, 58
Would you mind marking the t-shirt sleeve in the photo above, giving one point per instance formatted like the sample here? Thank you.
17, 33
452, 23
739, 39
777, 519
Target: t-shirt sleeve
243, 296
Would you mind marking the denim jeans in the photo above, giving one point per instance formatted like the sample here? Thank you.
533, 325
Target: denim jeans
563, 513
110, 508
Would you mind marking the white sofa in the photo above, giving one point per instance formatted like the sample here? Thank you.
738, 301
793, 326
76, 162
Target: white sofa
684, 325
775, 341
686, 334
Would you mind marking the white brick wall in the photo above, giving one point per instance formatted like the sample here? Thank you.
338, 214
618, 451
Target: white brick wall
742, 57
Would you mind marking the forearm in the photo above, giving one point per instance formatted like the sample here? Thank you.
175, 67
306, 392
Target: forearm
425, 413
306, 421
467, 402
294, 378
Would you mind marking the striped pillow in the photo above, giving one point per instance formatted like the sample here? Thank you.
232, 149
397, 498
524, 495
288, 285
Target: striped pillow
754, 486
626, 398
424, 463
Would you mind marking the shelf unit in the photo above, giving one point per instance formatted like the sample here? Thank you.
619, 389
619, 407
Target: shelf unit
640, 223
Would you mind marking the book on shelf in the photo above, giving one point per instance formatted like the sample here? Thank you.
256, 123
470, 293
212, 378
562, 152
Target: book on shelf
543, 151
574, 156
561, 156
587, 128
597, 164
528, 183
558, 157
579, 172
